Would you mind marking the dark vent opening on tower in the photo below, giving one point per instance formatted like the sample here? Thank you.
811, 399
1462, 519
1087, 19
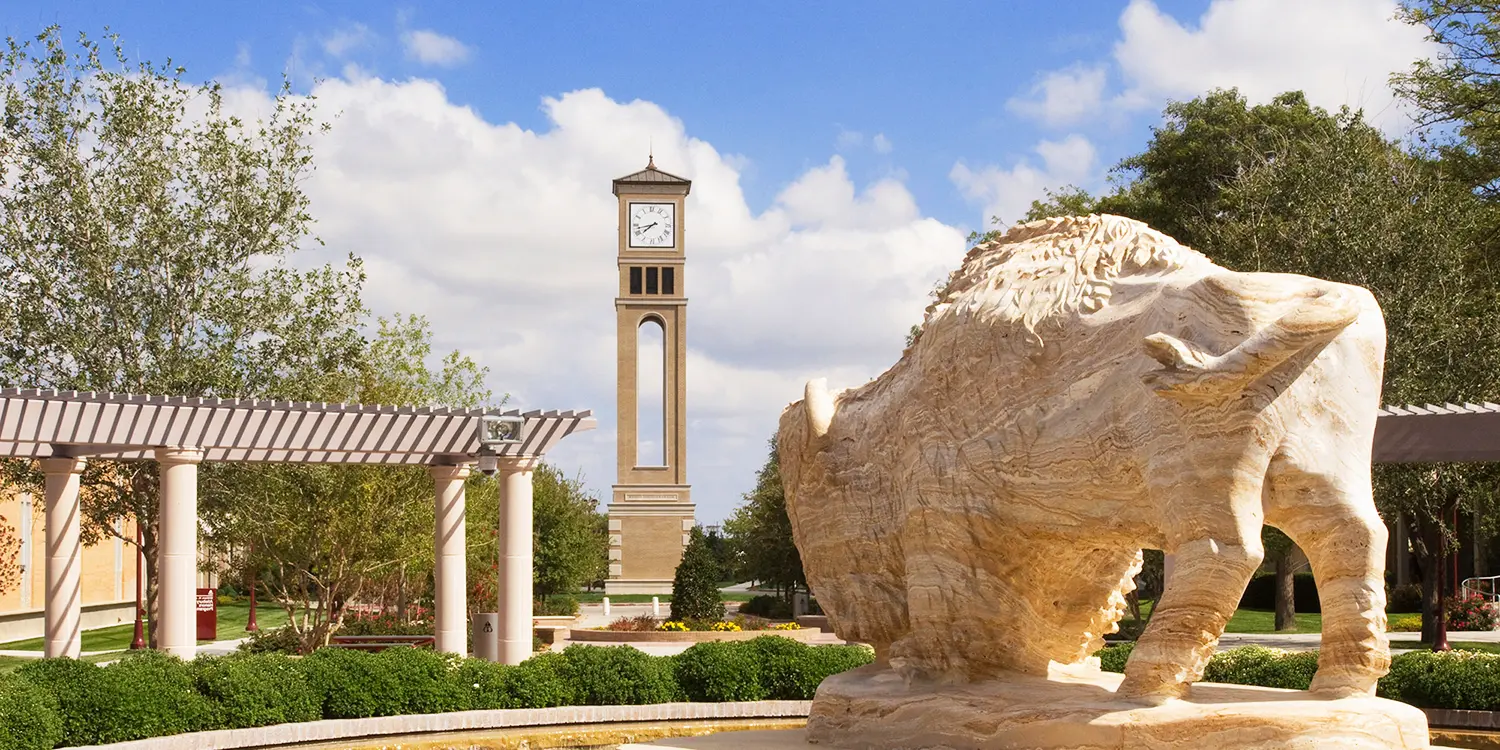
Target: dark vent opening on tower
635, 279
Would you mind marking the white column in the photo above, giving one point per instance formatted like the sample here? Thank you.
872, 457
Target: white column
515, 559
64, 598
177, 540
450, 592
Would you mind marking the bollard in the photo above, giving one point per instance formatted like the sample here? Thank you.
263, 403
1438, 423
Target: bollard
606, 606
655, 607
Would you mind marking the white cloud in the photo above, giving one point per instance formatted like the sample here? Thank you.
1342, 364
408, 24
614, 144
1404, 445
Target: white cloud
1008, 193
431, 48
850, 140
1063, 97
1336, 51
346, 39
505, 238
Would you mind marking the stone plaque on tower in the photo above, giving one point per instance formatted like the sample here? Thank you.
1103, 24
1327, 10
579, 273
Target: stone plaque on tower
651, 511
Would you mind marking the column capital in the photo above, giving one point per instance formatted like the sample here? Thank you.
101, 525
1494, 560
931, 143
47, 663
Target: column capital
445, 471
63, 465
176, 454
510, 464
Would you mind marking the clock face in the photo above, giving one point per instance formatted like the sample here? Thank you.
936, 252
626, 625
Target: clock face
652, 225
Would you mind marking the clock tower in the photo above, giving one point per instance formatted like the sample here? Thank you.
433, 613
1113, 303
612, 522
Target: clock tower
651, 511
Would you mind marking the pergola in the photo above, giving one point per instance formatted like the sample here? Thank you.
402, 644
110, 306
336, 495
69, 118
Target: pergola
63, 429
1434, 434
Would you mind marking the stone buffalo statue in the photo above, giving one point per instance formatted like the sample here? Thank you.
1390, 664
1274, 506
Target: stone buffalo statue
1084, 388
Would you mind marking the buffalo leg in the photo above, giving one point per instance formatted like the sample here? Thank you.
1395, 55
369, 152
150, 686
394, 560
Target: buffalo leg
1333, 520
1213, 528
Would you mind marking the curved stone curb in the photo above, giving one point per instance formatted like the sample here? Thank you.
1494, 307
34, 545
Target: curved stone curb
690, 636
458, 721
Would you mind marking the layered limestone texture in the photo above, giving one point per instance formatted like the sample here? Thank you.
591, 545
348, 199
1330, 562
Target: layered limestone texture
1084, 388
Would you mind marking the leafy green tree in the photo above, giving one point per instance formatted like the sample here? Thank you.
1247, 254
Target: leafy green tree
1461, 87
144, 235
331, 535
695, 586
760, 534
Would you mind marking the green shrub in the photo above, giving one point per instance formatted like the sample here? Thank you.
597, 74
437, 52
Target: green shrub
771, 607
1456, 679
77, 686
788, 668
29, 717
555, 606
1261, 593
422, 678
479, 684
256, 690
542, 681
695, 586
1267, 667
383, 623
720, 671
282, 640
1406, 599
149, 694
824, 661
1113, 658
352, 684
618, 675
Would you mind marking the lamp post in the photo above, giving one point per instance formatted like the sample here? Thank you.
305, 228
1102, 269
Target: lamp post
1440, 636
250, 626
139, 642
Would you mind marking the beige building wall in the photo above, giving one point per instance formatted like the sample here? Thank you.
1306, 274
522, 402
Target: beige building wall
651, 509
107, 577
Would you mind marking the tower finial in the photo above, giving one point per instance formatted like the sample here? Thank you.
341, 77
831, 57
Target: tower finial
651, 154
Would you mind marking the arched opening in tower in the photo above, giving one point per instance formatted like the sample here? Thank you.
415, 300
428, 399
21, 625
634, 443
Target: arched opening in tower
651, 385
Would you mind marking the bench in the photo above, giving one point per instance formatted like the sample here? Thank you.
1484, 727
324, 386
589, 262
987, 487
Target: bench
380, 642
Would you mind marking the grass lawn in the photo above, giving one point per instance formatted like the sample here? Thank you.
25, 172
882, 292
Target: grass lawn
1489, 648
232, 618
10, 664
1255, 621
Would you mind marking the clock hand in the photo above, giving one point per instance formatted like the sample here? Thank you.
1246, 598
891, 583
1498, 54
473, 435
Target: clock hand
648, 226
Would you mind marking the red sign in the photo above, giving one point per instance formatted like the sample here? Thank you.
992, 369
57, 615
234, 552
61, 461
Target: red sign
208, 615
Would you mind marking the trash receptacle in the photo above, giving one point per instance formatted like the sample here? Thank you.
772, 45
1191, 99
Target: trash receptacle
487, 636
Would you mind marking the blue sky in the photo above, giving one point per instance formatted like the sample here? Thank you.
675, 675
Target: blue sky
840, 151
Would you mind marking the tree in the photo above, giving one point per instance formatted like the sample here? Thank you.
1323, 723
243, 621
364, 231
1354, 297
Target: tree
570, 539
330, 535
10, 554
695, 586
760, 534
1461, 87
143, 241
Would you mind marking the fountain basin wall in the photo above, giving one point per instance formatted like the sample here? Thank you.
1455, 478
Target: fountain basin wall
342, 730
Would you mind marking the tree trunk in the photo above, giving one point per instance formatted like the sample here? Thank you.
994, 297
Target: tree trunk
401, 594
1286, 592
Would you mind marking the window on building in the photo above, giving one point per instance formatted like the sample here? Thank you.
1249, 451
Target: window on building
651, 280
635, 279
668, 280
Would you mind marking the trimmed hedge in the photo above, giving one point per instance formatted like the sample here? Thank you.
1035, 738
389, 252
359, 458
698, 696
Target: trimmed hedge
62, 702
1457, 679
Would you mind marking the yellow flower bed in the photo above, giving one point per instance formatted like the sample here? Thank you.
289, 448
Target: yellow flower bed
724, 627
1404, 624
674, 626
786, 626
